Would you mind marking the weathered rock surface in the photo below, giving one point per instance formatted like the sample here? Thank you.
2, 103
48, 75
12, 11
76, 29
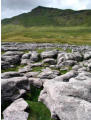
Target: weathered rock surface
25, 69
10, 58
68, 100
87, 55
49, 54
16, 111
66, 76
25, 61
6, 75
50, 61
48, 74
37, 82
11, 53
68, 59
26, 56
31, 74
4, 65
13, 88
34, 56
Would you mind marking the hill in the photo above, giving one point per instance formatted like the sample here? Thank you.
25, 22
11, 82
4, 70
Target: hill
43, 16
49, 25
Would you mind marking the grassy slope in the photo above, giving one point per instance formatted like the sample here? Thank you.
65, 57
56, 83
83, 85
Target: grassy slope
71, 35
49, 25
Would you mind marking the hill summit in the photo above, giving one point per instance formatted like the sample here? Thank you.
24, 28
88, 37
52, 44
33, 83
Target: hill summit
44, 16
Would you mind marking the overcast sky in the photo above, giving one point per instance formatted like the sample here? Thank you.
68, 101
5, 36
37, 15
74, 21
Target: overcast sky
14, 7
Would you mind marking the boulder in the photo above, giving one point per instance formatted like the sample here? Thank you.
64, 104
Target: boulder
12, 53
49, 54
11, 59
69, 56
50, 61
34, 56
5, 65
25, 69
25, 61
67, 101
48, 74
38, 64
87, 55
76, 67
26, 56
31, 74
16, 111
13, 88
37, 82
66, 76
67, 63
6, 75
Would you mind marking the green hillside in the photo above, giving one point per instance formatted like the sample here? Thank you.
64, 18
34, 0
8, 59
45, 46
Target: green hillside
42, 16
49, 25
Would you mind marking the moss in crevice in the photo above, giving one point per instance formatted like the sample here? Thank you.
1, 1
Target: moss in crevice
38, 69
26, 51
15, 68
2, 52
38, 111
10, 69
41, 50
64, 71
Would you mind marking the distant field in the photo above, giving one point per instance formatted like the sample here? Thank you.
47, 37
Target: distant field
70, 35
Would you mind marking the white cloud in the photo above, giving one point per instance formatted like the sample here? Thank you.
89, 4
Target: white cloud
14, 7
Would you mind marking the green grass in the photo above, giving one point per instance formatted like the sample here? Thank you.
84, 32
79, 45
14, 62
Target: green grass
10, 69
40, 50
49, 34
16, 68
2, 52
68, 50
65, 71
38, 111
37, 69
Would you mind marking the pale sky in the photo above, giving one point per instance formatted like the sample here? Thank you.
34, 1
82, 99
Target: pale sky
12, 8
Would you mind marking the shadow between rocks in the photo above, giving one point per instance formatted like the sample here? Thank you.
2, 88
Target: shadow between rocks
37, 110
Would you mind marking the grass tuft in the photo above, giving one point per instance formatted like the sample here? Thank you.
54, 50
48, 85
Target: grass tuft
38, 111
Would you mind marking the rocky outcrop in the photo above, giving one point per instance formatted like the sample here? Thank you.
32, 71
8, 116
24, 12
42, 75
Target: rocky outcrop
65, 79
